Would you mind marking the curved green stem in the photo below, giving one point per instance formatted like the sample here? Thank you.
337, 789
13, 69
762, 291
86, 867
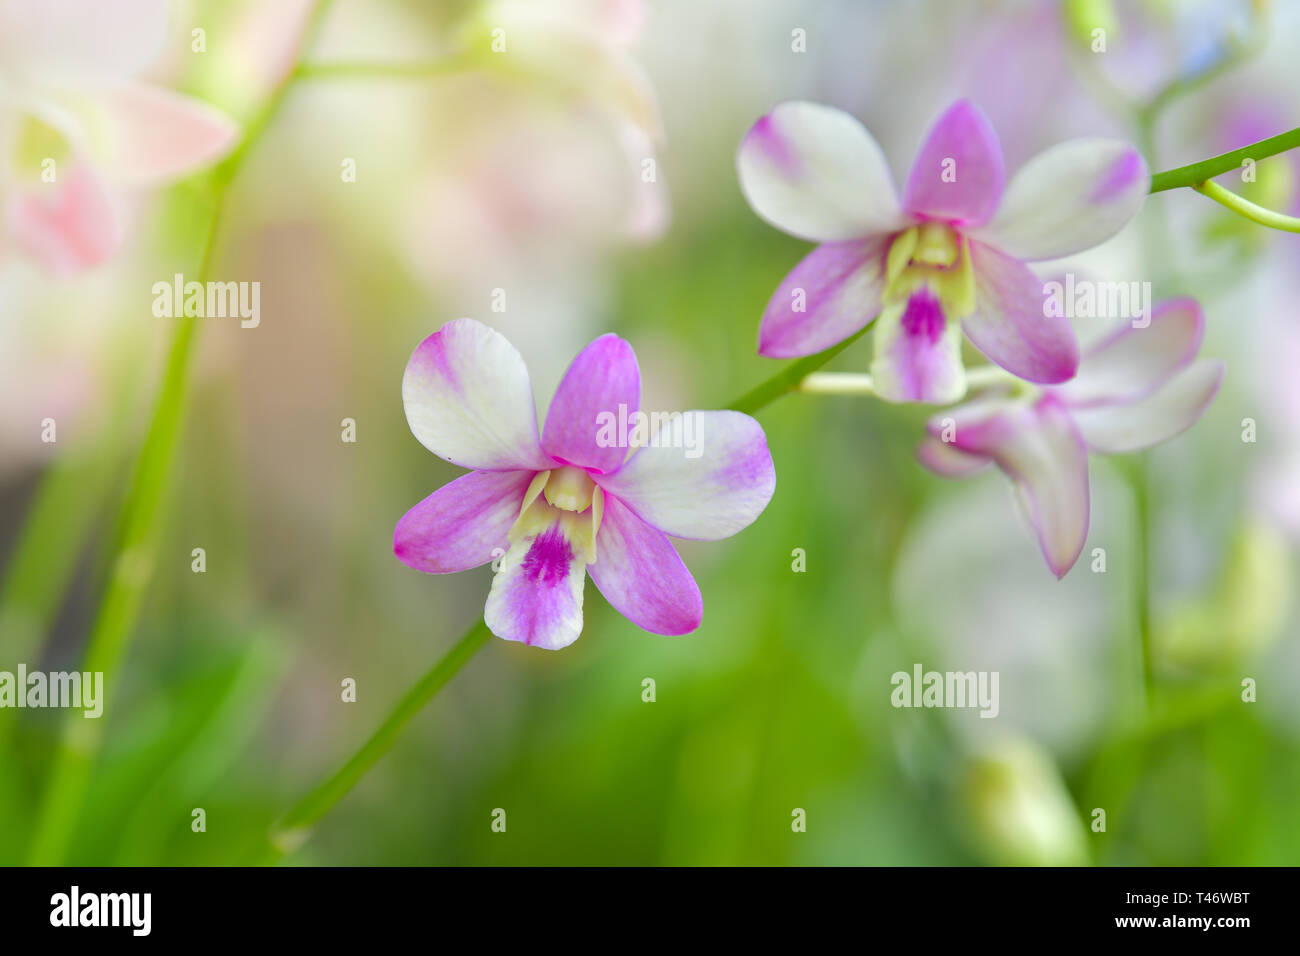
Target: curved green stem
1194, 174
1244, 207
1238, 54
294, 828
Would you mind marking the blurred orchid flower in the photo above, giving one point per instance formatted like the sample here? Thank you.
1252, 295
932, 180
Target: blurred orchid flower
1136, 388
569, 503
583, 46
582, 50
75, 125
951, 257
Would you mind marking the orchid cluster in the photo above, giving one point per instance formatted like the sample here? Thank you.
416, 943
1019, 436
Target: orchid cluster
949, 261
952, 258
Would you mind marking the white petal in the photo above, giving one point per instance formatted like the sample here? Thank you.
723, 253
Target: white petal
1041, 450
1133, 361
1071, 197
468, 400
706, 477
1158, 417
816, 173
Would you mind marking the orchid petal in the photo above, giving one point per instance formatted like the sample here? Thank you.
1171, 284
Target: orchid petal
602, 385
461, 524
946, 461
958, 174
469, 401
642, 576
712, 488
145, 135
918, 353
1041, 450
830, 295
71, 228
1134, 360
816, 173
1069, 198
1154, 418
1009, 324
536, 596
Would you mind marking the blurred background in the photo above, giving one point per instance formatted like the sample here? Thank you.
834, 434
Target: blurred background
585, 177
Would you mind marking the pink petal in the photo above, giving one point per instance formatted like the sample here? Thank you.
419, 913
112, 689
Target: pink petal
1133, 361
67, 226
536, 597
1009, 325
148, 135
1040, 449
641, 575
831, 294
63, 40
816, 173
1069, 198
716, 493
918, 353
946, 461
602, 381
462, 523
468, 400
1154, 418
958, 174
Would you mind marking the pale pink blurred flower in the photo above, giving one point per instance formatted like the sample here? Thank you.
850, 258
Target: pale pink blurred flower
546, 150
77, 128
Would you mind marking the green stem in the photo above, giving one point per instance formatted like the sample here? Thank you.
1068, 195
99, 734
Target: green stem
1240, 53
1140, 482
1244, 207
123, 595
1196, 173
294, 828
789, 378
139, 525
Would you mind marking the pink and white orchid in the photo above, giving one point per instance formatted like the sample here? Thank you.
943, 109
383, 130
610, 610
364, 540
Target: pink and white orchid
950, 257
1135, 388
569, 502
67, 96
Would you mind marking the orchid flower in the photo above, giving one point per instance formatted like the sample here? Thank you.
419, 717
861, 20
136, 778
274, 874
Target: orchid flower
569, 502
951, 257
1136, 387
69, 106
